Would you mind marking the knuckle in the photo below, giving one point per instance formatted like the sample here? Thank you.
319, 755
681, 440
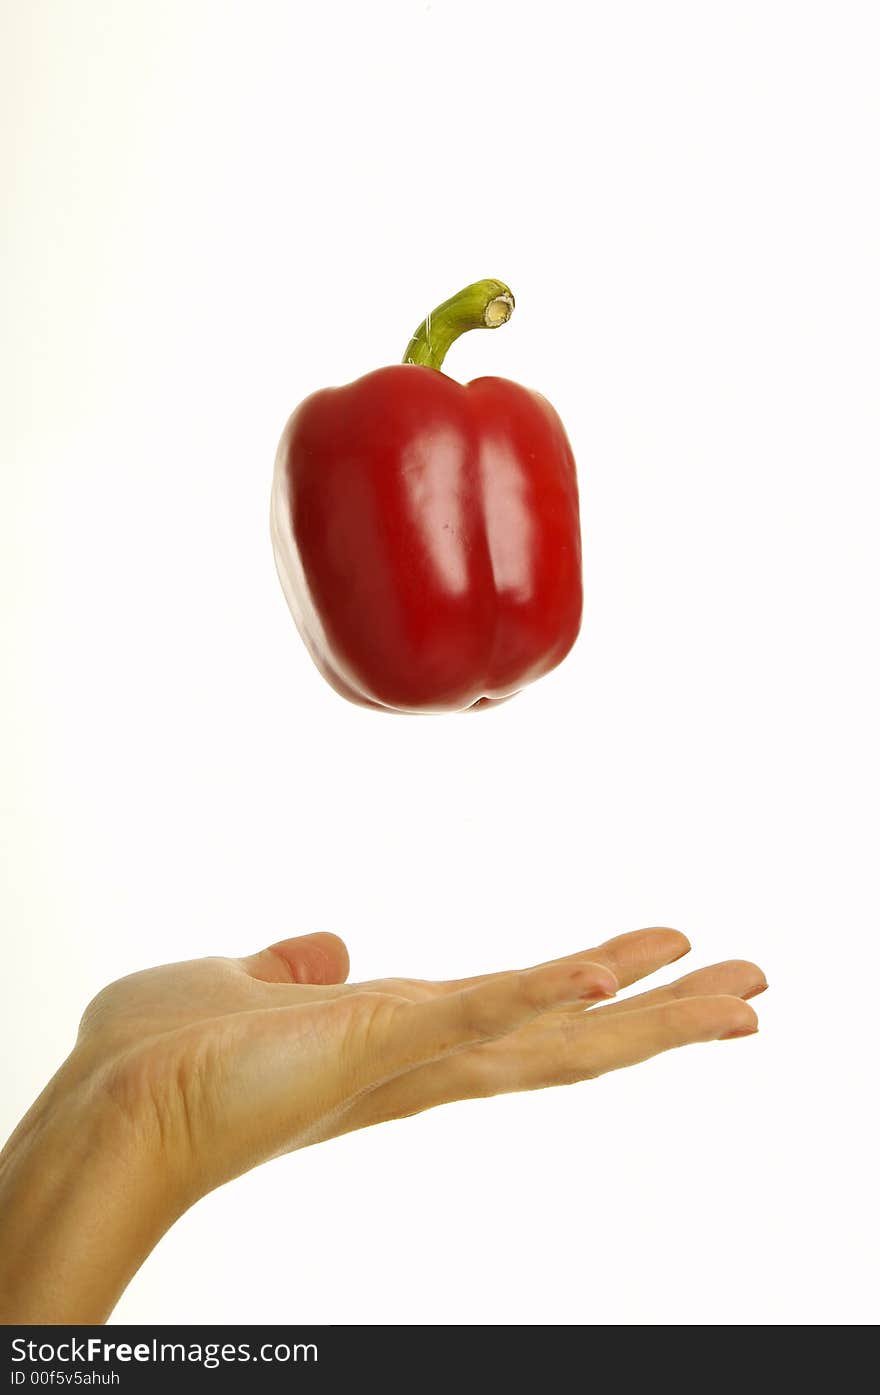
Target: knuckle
280, 962
571, 1061
478, 1014
362, 1022
480, 1076
683, 987
474, 1025
526, 994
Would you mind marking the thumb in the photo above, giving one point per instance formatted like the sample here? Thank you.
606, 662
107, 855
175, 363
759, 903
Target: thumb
318, 958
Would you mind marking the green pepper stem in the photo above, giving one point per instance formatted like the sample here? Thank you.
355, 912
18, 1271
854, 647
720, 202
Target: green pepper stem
484, 305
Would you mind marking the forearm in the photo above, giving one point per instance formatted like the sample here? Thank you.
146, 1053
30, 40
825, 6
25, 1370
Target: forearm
80, 1210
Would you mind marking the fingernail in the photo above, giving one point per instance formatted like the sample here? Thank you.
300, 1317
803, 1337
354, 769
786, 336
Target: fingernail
740, 1032
596, 991
753, 992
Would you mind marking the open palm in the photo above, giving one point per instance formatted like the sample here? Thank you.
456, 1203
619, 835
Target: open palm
233, 1061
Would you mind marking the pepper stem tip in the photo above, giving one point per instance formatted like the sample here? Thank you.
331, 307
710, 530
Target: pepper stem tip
499, 310
482, 305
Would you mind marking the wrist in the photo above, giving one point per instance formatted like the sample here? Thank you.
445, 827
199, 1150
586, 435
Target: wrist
85, 1195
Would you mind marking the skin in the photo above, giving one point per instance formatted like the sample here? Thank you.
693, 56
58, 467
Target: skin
188, 1075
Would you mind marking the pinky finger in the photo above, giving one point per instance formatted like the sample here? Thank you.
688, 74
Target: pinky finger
598, 1045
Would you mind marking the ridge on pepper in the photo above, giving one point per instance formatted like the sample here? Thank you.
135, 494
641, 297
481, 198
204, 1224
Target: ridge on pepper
426, 532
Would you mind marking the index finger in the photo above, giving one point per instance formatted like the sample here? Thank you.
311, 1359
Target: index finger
629, 957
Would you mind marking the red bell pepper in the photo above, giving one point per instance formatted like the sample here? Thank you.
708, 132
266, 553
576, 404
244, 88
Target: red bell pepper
426, 533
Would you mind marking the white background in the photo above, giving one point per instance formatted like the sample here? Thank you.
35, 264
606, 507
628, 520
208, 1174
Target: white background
212, 209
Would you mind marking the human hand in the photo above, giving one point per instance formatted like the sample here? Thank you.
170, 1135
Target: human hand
187, 1075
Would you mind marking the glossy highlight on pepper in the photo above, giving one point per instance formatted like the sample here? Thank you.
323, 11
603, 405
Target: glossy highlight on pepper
426, 532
